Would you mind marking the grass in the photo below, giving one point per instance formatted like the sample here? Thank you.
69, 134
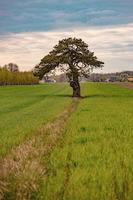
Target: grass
23, 168
94, 159
88, 156
26, 108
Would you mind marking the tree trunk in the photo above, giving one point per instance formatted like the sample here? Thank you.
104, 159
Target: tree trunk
76, 88
76, 92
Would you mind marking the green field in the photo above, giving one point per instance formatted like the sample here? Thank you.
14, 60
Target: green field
25, 108
93, 160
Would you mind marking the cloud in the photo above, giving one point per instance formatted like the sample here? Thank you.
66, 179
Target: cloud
40, 15
111, 44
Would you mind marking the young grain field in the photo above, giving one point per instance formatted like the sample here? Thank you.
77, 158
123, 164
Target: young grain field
88, 148
94, 160
23, 109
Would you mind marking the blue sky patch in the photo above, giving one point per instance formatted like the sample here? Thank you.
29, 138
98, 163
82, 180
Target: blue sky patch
44, 15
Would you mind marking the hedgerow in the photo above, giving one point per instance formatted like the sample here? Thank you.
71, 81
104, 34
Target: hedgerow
17, 78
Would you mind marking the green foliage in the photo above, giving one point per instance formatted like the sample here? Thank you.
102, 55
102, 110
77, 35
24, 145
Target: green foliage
71, 55
94, 159
25, 109
16, 78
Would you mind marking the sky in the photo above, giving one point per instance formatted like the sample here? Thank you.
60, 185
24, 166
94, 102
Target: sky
30, 28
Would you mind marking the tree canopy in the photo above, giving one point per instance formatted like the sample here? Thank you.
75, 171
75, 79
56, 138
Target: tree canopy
12, 67
71, 56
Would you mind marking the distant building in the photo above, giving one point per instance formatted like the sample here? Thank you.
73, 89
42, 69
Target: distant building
47, 80
107, 80
113, 79
130, 79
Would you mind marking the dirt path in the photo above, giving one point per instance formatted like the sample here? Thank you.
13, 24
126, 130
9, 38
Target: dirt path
24, 167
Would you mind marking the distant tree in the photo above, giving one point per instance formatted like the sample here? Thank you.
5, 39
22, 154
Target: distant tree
12, 67
71, 56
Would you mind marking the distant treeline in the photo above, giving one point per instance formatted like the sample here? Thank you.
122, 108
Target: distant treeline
124, 76
17, 78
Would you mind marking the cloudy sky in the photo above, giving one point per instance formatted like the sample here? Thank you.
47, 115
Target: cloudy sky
30, 28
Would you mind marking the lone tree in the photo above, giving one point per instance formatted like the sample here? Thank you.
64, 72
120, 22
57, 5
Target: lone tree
71, 56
